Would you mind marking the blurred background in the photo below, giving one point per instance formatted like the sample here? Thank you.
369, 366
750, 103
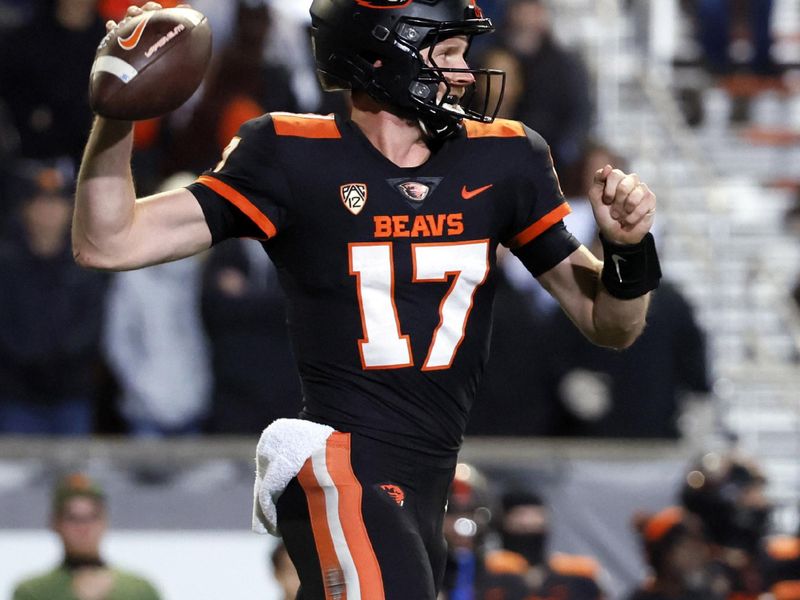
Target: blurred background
670, 470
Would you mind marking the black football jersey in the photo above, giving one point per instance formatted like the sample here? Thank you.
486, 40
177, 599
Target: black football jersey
388, 271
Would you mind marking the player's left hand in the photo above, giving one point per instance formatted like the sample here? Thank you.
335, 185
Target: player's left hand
624, 207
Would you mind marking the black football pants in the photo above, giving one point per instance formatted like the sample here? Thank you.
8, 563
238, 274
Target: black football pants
363, 521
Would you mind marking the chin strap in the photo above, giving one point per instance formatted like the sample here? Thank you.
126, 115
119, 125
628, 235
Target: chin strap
437, 128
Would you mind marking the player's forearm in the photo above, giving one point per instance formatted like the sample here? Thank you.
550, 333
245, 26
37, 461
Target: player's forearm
617, 323
105, 195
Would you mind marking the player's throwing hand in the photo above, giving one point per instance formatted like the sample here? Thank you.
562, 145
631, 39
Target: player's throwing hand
134, 11
624, 207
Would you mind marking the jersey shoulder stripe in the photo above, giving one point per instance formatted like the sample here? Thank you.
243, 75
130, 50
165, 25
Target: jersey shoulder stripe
505, 562
241, 202
536, 229
573, 565
319, 127
784, 548
502, 128
786, 590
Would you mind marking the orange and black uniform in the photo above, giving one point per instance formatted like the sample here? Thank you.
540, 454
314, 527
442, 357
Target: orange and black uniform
562, 577
782, 568
389, 277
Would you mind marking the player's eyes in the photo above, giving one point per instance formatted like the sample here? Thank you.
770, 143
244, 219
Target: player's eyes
447, 54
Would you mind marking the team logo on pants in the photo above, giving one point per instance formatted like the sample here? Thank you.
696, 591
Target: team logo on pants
354, 196
396, 493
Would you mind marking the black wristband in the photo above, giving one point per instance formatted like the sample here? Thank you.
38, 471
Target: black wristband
630, 270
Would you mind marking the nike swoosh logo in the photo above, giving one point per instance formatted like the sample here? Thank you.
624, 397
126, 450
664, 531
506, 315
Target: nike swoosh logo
130, 42
618, 259
470, 194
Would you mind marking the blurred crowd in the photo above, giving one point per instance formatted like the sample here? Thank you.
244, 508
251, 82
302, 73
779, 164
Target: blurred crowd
713, 543
200, 346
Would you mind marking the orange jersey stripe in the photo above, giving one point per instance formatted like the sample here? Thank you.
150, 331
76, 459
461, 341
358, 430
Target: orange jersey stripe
662, 523
784, 548
786, 590
242, 203
323, 540
305, 126
355, 531
540, 226
498, 128
574, 566
503, 562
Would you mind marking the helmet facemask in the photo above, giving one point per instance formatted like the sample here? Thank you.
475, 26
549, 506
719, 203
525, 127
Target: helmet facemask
385, 48
418, 85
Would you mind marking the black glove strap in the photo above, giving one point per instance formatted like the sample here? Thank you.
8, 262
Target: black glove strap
630, 270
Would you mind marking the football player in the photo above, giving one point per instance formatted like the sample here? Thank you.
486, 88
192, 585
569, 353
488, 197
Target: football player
389, 285
728, 492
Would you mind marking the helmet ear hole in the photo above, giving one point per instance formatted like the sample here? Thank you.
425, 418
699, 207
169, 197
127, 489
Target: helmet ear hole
331, 83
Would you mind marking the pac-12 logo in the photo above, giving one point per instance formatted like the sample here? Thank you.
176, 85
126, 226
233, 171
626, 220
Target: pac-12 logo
384, 3
354, 196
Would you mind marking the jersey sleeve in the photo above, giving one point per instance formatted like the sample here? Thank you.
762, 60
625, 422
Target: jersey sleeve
247, 194
537, 235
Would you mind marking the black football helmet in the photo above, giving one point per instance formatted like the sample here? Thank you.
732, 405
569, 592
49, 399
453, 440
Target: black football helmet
350, 36
470, 505
718, 489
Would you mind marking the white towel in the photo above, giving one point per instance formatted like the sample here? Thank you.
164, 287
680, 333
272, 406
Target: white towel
282, 450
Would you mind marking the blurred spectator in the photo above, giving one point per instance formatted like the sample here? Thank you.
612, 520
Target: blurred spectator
467, 529
577, 179
524, 526
679, 557
240, 86
284, 572
796, 294
750, 19
155, 345
793, 226
727, 493
496, 57
115, 9
9, 150
288, 45
545, 378
556, 99
80, 519
244, 312
16, 13
638, 392
50, 315
44, 75
510, 399
782, 574
516, 395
